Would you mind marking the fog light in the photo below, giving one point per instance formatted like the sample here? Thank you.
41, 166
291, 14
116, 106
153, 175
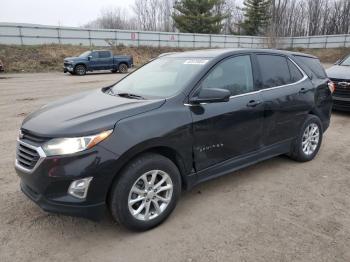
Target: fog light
79, 188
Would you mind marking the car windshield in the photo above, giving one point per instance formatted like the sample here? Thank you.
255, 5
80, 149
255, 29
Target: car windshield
161, 78
346, 61
85, 54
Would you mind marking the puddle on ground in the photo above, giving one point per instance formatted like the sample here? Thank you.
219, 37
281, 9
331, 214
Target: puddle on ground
26, 99
22, 114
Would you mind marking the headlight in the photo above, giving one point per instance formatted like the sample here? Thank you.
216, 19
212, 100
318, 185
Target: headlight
64, 146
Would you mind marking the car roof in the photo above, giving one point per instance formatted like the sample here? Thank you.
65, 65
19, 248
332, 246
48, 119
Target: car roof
213, 53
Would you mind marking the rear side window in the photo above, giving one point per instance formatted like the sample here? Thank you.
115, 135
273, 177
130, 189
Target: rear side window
313, 64
104, 54
274, 70
295, 73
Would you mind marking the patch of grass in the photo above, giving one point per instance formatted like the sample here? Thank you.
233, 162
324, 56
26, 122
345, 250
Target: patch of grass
45, 58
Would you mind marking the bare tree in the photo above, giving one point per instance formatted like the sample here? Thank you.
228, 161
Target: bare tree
115, 18
154, 15
288, 17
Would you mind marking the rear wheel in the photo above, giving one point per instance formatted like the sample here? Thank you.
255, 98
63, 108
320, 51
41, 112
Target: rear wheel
123, 68
308, 143
80, 70
146, 192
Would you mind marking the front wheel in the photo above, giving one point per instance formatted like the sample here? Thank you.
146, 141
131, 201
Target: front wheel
309, 140
80, 70
146, 192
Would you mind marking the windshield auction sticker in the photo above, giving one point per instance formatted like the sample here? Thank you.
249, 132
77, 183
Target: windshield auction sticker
196, 62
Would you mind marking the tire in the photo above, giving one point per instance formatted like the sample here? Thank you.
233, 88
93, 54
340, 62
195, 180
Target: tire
123, 68
132, 180
300, 150
80, 70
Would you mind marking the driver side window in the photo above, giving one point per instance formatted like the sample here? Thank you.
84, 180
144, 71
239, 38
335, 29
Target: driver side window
233, 74
94, 55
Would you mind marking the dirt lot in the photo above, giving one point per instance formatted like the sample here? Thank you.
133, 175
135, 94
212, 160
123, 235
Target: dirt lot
278, 210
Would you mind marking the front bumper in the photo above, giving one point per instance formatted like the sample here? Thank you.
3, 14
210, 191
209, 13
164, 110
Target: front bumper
68, 68
47, 184
341, 103
93, 212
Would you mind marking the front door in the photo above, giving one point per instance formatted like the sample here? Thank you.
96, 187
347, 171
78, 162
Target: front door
231, 129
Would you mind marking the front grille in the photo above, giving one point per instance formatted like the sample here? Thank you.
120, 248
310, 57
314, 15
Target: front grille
27, 156
341, 91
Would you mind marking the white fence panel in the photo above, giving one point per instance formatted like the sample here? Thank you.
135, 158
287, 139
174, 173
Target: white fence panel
10, 40
27, 34
9, 30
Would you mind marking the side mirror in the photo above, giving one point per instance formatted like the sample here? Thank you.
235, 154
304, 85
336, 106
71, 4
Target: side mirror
89, 57
211, 95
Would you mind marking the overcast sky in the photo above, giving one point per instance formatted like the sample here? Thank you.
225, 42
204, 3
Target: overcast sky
56, 12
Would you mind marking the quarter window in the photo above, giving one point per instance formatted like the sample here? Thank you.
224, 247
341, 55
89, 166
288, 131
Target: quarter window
295, 73
233, 74
274, 70
313, 64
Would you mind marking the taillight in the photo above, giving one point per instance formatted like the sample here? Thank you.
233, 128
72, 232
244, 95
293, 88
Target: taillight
331, 86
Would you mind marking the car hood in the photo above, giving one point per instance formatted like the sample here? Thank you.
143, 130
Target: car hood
75, 59
340, 72
85, 114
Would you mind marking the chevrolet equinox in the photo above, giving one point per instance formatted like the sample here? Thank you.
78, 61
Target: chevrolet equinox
179, 120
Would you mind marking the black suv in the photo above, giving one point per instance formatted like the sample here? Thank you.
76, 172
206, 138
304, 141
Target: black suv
181, 119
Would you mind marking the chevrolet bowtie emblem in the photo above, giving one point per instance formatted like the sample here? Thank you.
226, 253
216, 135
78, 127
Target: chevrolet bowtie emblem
344, 84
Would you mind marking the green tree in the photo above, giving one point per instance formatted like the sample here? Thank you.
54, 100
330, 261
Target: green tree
199, 16
256, 14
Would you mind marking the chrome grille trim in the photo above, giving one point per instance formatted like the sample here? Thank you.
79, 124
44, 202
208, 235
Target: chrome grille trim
27, 153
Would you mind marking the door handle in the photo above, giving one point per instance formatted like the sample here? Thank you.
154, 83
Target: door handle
303, 90
253, 103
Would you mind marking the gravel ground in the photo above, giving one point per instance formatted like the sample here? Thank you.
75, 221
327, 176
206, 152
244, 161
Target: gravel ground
278, 210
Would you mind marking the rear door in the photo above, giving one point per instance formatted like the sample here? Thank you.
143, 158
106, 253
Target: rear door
231, 129
288, 97
105, 60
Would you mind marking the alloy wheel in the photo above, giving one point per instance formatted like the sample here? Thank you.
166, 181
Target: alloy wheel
311, 138
123, 68
150, 195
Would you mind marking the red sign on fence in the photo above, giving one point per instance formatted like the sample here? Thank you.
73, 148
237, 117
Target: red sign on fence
133, 36
172, 38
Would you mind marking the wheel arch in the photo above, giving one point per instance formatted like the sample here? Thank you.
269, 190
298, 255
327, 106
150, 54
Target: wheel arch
316, 112
80, 63
164, 150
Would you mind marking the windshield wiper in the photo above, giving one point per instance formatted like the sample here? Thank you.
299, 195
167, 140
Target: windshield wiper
129, 95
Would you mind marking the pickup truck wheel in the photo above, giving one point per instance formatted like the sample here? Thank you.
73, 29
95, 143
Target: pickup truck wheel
80, 70
146, 192
305, 147
123, 68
